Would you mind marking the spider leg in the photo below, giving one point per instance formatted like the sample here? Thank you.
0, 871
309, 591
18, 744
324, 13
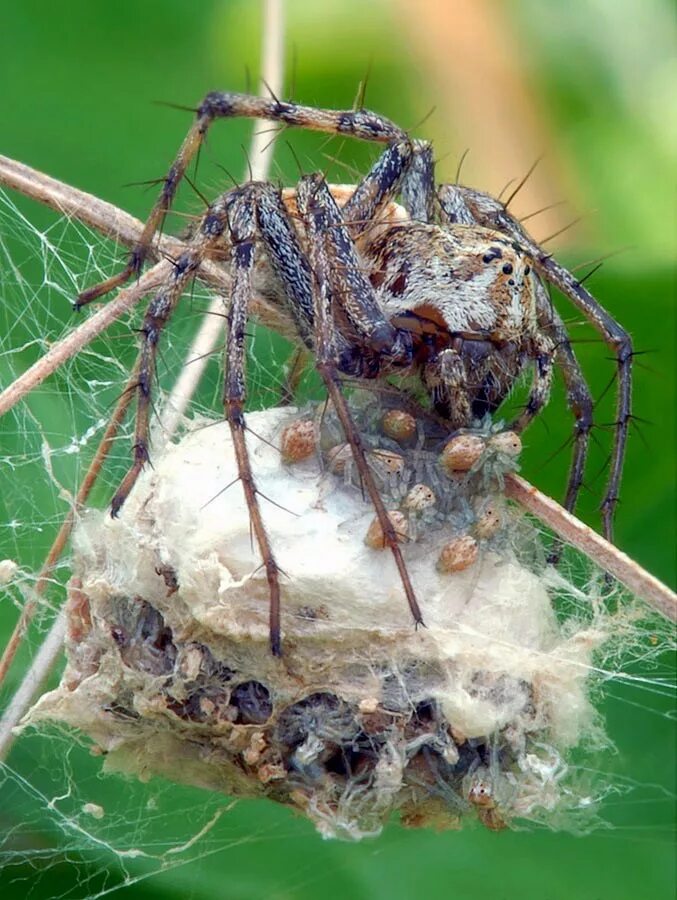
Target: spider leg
405, 165
350, 286
294, 369
359, 123
243, 227
460, 202
380, 185
453, 208
579, 398
619, 340
336, 277
447, 381
157, 315
418, 189
289, 262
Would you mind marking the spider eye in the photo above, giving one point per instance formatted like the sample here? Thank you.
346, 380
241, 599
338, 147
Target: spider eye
492, 254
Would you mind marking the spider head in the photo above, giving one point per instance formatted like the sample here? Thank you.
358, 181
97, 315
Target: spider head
436, 282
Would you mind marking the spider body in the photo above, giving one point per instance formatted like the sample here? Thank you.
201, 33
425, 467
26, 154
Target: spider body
461, 297
448, 286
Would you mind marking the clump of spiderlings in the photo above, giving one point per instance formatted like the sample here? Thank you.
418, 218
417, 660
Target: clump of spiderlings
429, 481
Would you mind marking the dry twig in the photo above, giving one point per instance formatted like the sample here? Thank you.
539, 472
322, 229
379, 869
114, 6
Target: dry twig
644, 585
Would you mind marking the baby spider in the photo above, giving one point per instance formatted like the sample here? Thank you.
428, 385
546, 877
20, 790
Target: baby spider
451, 289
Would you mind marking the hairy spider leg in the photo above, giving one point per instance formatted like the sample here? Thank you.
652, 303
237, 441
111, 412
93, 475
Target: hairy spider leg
404, 165
621, 343
380, 185
418, 189
578, 394
359, 123
157, 316
242, 221
462, 202
339, 282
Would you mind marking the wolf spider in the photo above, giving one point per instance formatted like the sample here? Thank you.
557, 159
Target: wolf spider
453, 292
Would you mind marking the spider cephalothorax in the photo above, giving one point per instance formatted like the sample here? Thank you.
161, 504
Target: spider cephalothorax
467, 297
448, 287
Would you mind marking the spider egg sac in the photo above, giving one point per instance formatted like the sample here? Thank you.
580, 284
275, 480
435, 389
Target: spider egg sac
169, 670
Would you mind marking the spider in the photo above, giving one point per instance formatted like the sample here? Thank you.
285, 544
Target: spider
453, 292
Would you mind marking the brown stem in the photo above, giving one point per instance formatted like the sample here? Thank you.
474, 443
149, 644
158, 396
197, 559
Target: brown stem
119, 226
644, 585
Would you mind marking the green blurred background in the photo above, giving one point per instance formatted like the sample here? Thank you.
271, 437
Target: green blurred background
589, 87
